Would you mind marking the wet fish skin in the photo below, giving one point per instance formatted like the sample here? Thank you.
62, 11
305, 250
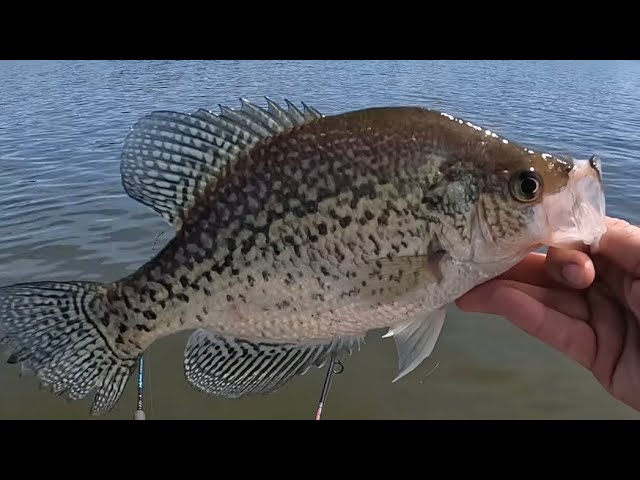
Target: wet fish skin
312, 209
294, 238
306, 211
298, 215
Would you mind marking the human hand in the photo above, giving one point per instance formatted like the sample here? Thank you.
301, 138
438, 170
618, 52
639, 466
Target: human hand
587, 307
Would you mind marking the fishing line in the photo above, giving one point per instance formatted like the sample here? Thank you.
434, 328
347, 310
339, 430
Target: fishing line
335, 368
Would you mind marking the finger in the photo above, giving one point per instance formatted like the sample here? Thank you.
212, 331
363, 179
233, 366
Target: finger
610, 328
571, 336
564, 301
618, 285
558, 268
571, 268
568, 302
632, 294
621, 243
625, 378
532, 269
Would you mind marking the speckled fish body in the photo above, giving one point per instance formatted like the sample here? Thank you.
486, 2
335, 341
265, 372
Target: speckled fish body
296, 234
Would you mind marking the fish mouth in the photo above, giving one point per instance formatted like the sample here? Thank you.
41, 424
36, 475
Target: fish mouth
576, 214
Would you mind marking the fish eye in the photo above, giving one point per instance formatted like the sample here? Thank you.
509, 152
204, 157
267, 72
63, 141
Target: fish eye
526, 185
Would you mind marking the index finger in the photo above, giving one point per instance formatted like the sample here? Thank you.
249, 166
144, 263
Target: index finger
549, 270
621, 244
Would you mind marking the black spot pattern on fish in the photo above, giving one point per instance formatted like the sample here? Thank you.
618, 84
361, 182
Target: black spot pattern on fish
285, 206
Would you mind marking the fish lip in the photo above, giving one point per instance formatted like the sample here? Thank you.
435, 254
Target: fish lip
596, 164
576, 214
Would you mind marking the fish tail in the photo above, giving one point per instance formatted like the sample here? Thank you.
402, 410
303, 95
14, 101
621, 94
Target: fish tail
54, 329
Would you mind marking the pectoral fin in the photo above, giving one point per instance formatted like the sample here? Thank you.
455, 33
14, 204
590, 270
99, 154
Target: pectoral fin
415, 340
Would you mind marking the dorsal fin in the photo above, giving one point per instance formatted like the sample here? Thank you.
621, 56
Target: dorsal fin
169, 158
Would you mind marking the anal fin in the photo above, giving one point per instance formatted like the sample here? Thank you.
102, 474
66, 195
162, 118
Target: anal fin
415, 340
233, 367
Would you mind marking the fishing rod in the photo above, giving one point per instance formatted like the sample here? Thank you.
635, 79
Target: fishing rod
335, 368
139, 413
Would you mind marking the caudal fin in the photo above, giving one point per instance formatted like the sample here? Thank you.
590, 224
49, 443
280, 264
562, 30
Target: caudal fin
51, 329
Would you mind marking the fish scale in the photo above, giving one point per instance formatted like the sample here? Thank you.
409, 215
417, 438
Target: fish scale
296, 234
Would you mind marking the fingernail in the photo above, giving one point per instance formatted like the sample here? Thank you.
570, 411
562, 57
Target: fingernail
573, 274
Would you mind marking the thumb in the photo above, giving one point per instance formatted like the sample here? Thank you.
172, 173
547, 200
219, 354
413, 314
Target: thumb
571, 268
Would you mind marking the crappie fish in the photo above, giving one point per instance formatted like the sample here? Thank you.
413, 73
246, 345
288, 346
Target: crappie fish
296, 235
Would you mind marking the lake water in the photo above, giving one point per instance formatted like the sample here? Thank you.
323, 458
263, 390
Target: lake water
64, 215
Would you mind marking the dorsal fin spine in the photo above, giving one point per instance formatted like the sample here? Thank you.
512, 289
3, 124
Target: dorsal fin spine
169, 158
